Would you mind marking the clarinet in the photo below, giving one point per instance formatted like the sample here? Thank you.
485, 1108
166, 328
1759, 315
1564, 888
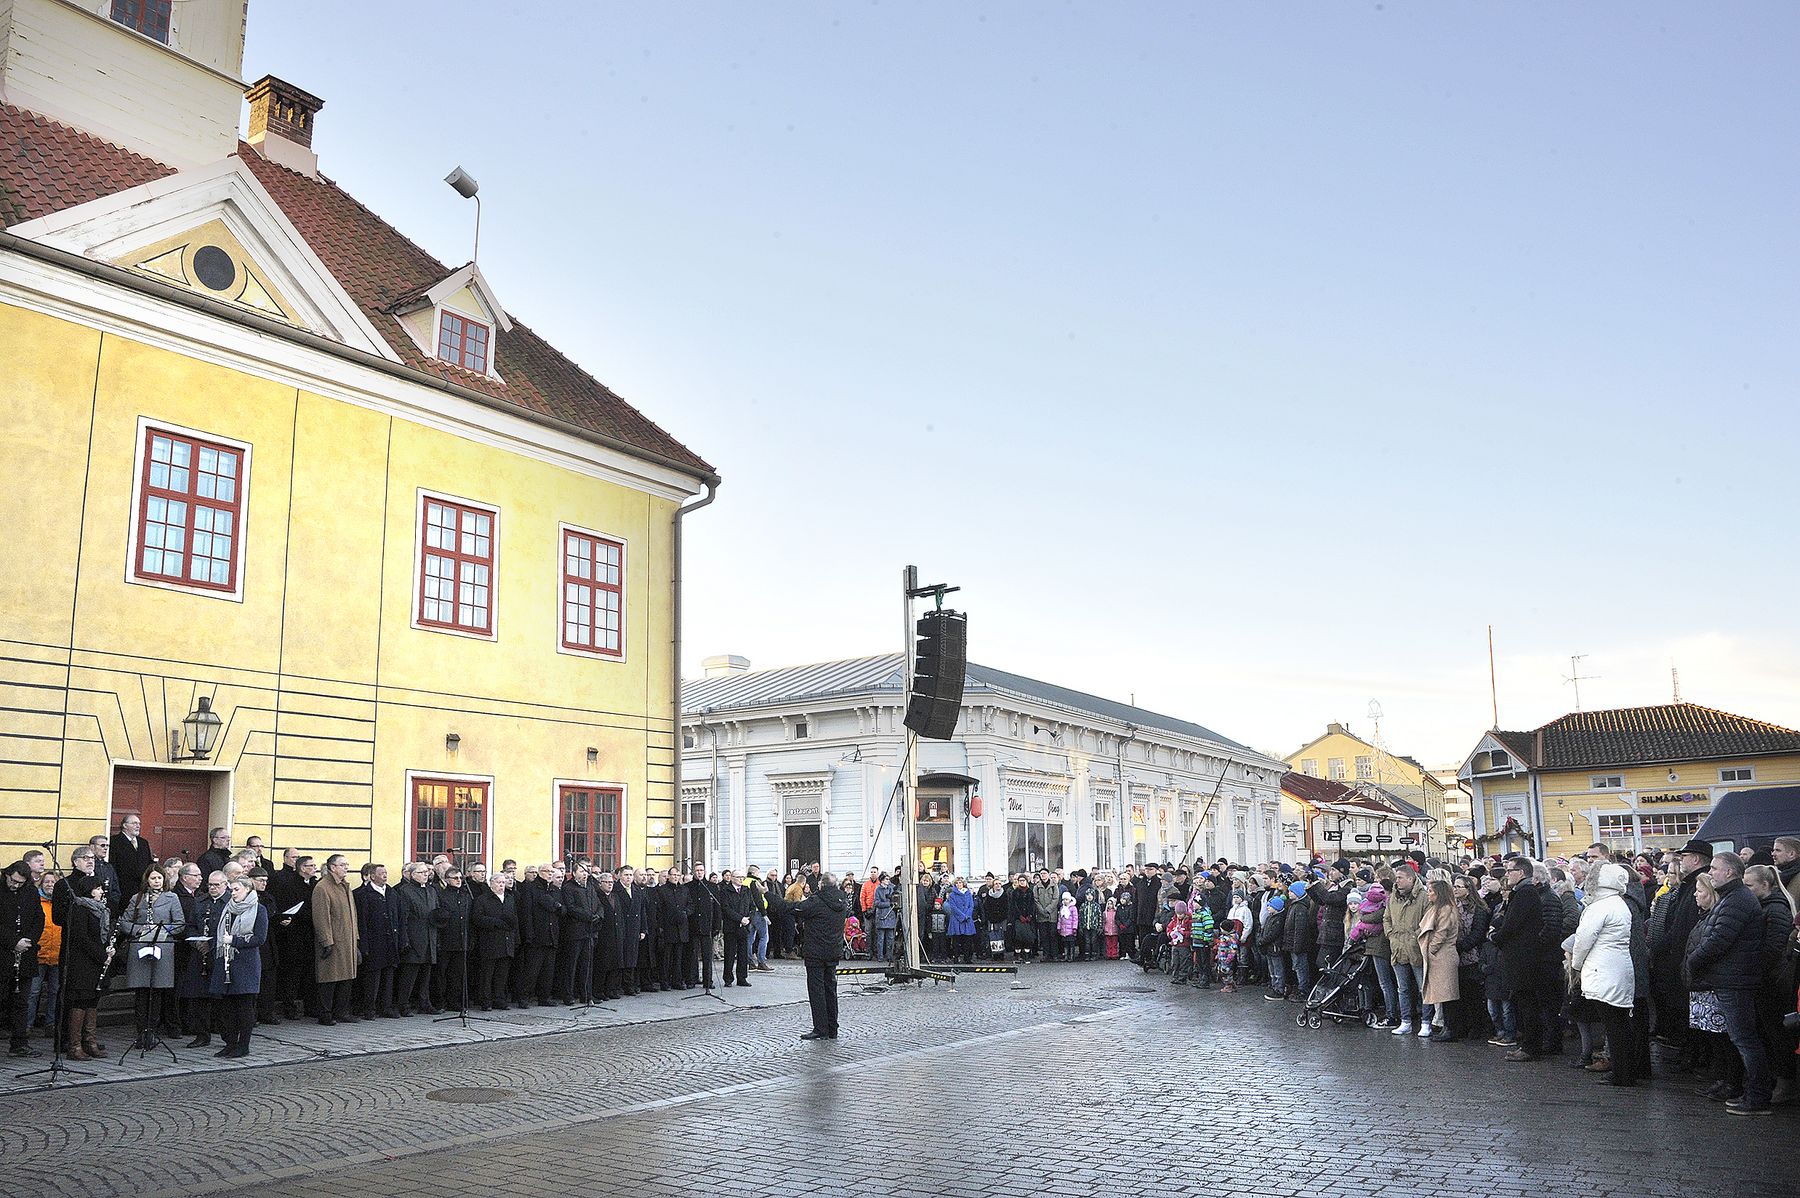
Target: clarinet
106, 965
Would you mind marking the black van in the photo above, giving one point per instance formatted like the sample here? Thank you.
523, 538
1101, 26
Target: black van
1752, 817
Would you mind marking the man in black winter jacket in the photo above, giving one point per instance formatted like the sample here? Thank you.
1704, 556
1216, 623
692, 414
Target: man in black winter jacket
734, 922
1728, 961
821, 921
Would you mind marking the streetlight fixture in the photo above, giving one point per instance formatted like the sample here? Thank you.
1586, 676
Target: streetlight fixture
463, 183
201, 730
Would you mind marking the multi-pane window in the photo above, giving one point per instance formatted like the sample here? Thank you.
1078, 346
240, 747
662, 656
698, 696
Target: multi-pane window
456, 567
148, 17
1670, 824
1309, 766
1615, 829
463, 342
1103, 854
1742, 773
589, 828
1336, 767
593, 607
693, 832
1606, 782
190, 508
448, 817
1365, 767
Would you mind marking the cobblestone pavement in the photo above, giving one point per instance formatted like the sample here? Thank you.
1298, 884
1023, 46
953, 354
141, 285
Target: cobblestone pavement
304, 1040
1083, 1083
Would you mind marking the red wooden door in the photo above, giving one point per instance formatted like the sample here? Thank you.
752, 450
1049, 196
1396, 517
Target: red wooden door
173, 806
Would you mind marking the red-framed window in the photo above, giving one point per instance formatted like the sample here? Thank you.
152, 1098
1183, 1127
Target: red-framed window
588, 824
449, 817
463, 342
190, 511
593, 594
148, 17
456, 566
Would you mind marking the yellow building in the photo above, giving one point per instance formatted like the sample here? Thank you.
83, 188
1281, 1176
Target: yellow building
1342, 756
1634, 777
309, 538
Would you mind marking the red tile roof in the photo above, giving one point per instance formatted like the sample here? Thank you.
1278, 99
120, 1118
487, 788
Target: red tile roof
46, 167
1672, 732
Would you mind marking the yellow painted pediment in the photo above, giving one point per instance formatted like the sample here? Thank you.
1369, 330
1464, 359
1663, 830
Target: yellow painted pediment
209, 259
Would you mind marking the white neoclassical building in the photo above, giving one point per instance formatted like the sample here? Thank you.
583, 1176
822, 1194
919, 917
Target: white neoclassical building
802, 764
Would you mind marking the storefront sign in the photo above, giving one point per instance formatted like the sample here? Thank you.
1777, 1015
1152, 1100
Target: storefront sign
800, 809
1334, 836
1683, 797
1365, 838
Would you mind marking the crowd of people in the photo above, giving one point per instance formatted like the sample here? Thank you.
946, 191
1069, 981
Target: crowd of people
1590, 958
220, 945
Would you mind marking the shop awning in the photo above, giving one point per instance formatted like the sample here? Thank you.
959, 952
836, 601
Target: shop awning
946, 778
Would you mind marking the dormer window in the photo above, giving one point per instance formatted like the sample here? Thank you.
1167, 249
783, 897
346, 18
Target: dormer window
463, 342
456, 320
148, 17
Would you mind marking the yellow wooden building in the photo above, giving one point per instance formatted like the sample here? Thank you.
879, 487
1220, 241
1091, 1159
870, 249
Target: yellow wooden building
1635, 777
309, 537
1339, 755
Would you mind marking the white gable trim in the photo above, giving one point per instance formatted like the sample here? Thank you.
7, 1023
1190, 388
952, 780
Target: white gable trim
469, 276
1490, 743
111, 228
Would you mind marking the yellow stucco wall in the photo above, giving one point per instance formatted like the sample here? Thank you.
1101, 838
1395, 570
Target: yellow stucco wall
330, 696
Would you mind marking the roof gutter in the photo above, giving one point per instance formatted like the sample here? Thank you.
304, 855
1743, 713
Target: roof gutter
107, 273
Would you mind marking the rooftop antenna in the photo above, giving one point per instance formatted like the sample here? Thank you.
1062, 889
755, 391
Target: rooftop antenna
1576, 677
465, 186
1675, 678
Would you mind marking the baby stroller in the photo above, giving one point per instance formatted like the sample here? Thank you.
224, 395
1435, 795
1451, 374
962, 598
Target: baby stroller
1338, 994
856, 941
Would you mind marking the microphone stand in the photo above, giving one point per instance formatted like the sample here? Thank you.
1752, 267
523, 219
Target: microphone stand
59, 1024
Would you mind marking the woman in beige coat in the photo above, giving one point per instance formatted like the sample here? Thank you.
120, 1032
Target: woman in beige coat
1438, 930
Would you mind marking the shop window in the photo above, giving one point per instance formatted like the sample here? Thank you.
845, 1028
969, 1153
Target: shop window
1033, 845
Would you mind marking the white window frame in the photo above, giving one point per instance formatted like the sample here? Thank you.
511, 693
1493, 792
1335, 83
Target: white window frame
132, 577
1606, 782
563, 530
418, 563
1747, 773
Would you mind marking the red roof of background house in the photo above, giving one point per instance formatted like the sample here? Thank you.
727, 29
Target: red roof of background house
1670, 732
46, 167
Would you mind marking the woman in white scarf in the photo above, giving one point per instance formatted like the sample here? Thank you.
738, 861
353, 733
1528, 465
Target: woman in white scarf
237, 964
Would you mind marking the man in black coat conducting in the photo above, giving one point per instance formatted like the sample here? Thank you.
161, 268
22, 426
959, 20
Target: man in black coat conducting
821, 920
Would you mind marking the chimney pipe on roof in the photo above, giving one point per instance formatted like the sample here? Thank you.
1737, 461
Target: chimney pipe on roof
724, 665
282, 118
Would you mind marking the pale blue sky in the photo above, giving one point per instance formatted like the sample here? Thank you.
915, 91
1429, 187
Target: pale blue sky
1251, 359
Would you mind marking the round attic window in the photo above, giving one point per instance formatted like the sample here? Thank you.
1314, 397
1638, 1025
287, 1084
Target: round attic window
214, 268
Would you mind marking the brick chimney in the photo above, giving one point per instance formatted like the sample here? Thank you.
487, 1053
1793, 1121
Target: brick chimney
281, 124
